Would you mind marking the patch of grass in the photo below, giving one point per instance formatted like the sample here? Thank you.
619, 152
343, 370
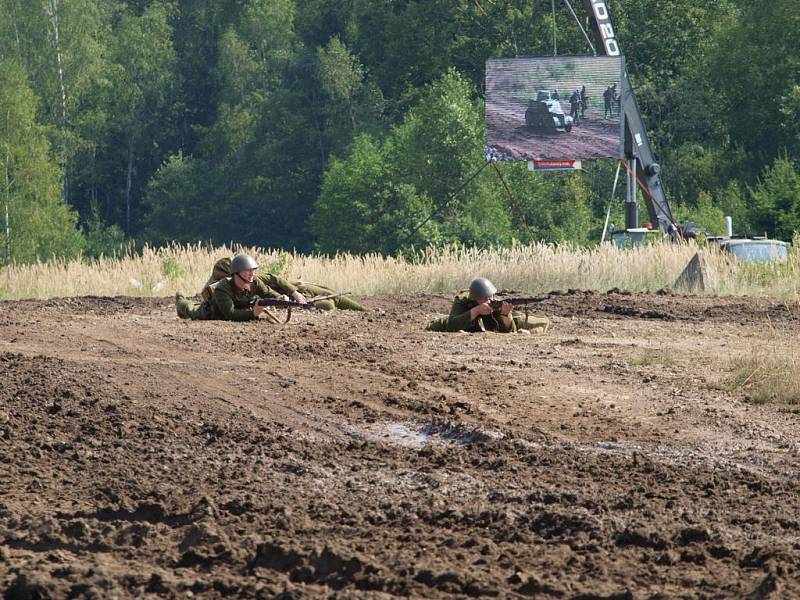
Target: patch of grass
765, 376
280, 266
170, 267
648, 359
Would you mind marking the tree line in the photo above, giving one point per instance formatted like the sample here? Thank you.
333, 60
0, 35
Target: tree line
350, 125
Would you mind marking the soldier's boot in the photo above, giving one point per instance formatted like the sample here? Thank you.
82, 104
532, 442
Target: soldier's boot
325, 304
439, 324
345, 303
533, 324
182, 306
187, 309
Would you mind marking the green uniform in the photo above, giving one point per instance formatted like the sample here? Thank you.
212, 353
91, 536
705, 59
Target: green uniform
226, 302
459, 318
276, 282
222, 269
309, 290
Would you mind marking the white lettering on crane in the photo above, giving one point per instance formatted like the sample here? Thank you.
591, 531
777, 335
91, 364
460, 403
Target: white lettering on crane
604, 26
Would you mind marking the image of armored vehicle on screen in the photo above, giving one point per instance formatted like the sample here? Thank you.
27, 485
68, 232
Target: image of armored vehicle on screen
546, 115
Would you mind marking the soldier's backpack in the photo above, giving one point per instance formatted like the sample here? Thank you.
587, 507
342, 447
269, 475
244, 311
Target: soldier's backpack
221, 270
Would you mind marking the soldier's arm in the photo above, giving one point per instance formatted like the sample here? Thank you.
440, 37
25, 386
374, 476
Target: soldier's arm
459, 317
263, 288
224, 301
277, 283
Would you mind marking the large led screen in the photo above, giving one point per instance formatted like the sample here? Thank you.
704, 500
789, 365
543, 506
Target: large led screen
553, 108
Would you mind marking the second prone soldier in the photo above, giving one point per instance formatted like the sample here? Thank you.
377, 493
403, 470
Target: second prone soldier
472, 311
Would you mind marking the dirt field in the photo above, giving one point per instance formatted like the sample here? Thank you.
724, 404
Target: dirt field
506, 132
355, 455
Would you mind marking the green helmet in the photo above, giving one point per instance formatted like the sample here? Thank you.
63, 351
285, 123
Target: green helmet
480, 287
243, 262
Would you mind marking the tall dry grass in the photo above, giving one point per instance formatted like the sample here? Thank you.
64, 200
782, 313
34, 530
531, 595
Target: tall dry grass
533, 268
766, 374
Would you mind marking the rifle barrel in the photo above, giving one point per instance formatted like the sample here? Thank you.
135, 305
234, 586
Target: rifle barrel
517, 300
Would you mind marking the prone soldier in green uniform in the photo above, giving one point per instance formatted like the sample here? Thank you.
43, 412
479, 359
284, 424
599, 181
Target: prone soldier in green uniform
230, 299
472, 311
298, 291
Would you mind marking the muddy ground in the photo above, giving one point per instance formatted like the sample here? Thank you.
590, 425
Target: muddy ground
507, 133
355, 455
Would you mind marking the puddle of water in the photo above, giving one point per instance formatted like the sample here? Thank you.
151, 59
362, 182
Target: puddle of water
411, 434
403, 435
462, 434
415, 435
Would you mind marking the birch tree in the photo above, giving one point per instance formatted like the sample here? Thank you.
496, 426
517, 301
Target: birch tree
36, 224
144, 73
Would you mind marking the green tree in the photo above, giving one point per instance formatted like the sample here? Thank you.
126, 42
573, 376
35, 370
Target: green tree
176, 208
754, 67
350, 102
703, 212
731, 200
102, 239
420, 165
341, 74
790, 113
775, 207
61, 44
550, 207
145, 58
347, 207
361, 209
37, 225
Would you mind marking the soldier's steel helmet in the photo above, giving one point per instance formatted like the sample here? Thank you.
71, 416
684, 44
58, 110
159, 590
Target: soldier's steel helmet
242, 262
480, 287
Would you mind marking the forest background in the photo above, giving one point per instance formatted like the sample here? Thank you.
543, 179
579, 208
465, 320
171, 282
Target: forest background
340, 126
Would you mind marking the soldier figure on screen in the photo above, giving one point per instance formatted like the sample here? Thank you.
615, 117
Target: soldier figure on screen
574, 105
584, 102
608, 97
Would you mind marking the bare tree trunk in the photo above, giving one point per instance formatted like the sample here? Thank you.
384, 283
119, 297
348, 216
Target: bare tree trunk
128, 187
318, 128
94, 175
16, 31
52, 12
7, 195
8, 229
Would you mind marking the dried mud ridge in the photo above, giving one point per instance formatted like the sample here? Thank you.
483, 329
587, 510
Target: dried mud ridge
355, 455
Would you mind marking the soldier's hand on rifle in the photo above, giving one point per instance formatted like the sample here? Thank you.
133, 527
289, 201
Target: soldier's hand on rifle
283, 297
298, 297
258, 309
506, 308
482, 310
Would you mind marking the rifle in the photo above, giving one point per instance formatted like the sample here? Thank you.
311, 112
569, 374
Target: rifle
518, 301
290, 304
524, 301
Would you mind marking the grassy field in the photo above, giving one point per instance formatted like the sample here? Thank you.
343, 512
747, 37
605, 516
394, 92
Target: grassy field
534, 268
